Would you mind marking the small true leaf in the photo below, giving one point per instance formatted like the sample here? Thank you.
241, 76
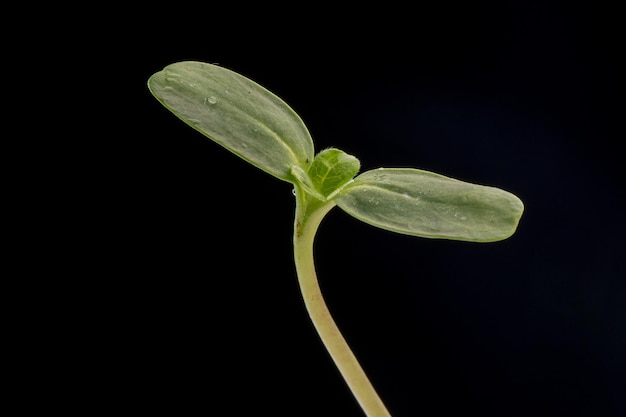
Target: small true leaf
237, 113
305, 182
331, 169
422, 203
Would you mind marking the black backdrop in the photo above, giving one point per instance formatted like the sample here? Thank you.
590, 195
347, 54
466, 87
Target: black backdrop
525, 96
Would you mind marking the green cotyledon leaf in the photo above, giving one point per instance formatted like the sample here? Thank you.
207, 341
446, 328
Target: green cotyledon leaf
237, 113
425, 204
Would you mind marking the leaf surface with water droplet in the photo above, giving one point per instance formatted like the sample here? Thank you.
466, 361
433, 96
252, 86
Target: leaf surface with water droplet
237, 113
425, 204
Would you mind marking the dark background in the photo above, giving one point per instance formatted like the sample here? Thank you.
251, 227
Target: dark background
526, 96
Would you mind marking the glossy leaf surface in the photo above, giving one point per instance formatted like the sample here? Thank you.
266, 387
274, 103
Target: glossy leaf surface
425, 204
237, 113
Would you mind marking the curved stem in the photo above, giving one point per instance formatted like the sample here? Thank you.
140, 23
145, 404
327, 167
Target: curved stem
306, 224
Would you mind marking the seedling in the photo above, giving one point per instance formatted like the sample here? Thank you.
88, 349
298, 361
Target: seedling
258, 126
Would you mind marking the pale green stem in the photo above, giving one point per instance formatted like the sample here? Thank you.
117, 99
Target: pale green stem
306, 224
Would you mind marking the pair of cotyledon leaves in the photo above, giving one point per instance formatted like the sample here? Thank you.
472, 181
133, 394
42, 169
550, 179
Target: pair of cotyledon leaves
258, 126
